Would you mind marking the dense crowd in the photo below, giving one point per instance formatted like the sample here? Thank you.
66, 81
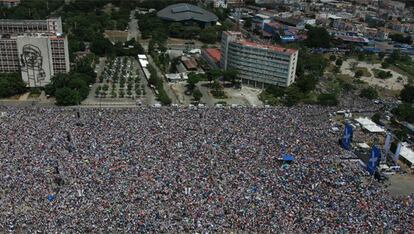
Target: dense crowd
185, 170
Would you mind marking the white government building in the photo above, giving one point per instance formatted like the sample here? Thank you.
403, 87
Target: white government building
36, 48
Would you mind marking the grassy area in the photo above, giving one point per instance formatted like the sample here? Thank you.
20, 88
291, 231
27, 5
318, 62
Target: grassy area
330, 67
383, 92
403, 73
407, 67
369, 58
311, 98
381, 74
364, 71
345, 77
35, 93
218, 94
269, 99
359, 82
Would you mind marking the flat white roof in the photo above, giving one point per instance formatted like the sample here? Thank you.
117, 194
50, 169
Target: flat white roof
334, 17
143, 62
262, 16
407, 153
173, 76
146, 72
142, 56
369, 125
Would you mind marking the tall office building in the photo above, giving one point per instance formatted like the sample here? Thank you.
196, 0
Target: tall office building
36, 48
258, 65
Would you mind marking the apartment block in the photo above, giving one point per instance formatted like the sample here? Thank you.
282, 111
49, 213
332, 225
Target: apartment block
258, 65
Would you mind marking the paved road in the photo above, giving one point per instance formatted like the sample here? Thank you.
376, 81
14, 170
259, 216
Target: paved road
133, 31
49, 102
149, 98
98, 69
167, 88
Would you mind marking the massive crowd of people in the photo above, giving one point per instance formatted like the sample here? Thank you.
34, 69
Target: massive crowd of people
185, 170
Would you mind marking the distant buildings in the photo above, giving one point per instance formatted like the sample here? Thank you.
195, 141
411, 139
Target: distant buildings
9, 3
258, 65
187, 14
219, 4
234, 3
36, 48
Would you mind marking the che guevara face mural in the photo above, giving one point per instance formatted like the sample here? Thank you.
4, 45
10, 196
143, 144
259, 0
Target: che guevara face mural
32, 62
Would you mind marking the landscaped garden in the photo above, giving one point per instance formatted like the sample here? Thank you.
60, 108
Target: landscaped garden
120, 80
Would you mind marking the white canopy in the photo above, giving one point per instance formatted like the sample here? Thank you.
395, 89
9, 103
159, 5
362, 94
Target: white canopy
363, 145
369, 125
407, 153
143, 62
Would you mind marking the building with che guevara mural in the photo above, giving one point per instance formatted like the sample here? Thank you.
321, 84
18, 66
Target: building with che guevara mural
36, 48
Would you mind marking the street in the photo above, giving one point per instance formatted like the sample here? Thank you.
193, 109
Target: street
133, 31
167, 88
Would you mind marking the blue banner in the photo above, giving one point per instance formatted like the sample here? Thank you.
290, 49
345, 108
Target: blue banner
347, 138
373, 160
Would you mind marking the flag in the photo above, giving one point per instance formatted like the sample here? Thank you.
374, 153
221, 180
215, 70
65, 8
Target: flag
397, 152
373, 160
347, 138
387, 145
50, 197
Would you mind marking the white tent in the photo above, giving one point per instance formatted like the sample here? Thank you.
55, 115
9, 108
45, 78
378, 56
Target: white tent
363, 145
369, 125
407, 153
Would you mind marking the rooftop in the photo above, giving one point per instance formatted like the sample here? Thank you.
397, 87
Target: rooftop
184, 12
214, 54
407, 153
190, 64
233, 33
369, 125
353, 39
289, 21
267, 47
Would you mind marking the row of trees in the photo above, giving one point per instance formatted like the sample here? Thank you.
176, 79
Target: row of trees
30, 9
217, 80
405, 111
401, 38
298, 92
318, 37
73, 87
153, 27
310, 68
402, 61
157, 82
86, 22
11, 84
